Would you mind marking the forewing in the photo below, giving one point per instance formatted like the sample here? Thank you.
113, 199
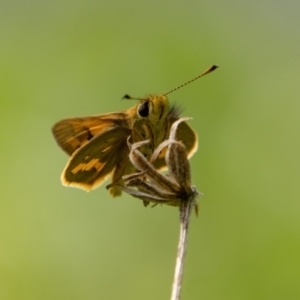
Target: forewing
71, 134
92, 163
187, 136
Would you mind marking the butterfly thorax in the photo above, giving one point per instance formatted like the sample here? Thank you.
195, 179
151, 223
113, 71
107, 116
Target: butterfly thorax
151, 122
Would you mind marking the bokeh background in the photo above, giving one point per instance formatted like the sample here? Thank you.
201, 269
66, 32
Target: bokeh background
67, 58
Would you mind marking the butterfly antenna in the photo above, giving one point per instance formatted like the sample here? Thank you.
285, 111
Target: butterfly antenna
210, 69
131, 98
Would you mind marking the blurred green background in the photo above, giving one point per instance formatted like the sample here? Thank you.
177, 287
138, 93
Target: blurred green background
62, 59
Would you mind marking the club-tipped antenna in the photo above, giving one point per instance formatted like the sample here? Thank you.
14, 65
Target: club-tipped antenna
128, 97
210, 69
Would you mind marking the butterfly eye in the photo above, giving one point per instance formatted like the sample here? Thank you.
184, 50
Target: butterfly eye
143, 109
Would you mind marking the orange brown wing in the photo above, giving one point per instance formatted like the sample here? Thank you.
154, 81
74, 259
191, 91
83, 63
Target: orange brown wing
184, 134
71, 134
92, 163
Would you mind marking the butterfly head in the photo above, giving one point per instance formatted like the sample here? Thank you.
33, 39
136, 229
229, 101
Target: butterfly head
154, 107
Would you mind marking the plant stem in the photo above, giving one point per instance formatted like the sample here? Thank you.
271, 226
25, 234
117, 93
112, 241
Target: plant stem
185, 213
